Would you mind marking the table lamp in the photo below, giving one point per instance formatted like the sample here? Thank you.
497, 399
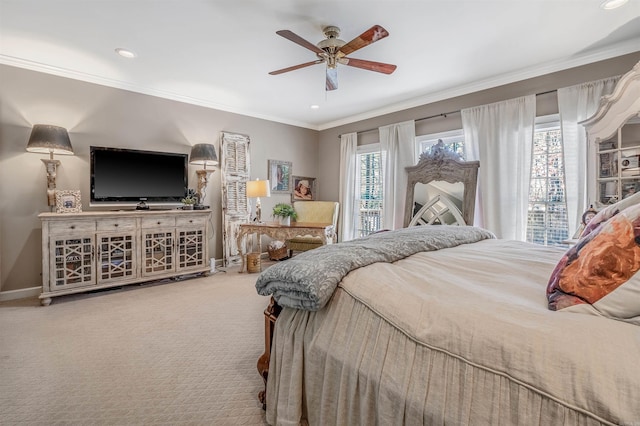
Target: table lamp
52, 140
203, 154
256, 189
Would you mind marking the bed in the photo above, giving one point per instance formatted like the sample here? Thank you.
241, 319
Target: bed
439, 325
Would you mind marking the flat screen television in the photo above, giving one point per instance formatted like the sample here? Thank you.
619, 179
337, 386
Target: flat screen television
128, 176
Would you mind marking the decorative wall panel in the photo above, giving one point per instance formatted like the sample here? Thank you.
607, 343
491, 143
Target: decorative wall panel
235, 170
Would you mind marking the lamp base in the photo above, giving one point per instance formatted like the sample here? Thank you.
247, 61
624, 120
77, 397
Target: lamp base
203, 180
52, 168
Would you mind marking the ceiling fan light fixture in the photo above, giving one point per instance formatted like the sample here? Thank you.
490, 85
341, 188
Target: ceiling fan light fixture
612, 4
332, 43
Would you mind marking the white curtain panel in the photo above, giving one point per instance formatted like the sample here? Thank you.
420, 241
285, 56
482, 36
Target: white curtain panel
577, 103
348, 191
397, 141
500, 135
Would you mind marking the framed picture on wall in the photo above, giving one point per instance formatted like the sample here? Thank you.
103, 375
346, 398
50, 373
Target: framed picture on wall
304, 189
280, 176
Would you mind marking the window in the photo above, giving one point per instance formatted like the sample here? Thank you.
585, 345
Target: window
547, 212
454, 140
369, 184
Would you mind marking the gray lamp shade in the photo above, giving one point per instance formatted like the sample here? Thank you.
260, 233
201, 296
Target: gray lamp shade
49, 139
203, 154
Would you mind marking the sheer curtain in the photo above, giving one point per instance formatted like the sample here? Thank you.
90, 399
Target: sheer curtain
500, 135
398, 142
577, 103
347, 193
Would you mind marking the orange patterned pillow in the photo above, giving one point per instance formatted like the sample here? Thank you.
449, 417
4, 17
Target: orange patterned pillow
599, 274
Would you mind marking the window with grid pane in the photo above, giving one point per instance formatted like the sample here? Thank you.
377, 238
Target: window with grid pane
370, 200
547, 213
453, 140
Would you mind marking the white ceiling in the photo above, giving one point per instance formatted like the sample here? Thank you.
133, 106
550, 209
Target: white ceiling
218, 53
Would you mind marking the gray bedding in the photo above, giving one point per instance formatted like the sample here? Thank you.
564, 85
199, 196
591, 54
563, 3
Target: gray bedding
308, 280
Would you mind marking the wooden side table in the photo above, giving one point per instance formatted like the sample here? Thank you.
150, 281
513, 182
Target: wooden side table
283, 232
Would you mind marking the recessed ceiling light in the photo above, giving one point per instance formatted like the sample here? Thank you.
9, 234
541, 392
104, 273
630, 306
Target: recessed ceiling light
315, 107
612, 4
125, 53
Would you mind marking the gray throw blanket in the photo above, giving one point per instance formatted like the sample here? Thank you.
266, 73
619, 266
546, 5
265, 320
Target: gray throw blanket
308, 280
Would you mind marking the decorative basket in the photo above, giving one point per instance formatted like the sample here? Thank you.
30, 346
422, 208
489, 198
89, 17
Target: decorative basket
279, 253
253, 263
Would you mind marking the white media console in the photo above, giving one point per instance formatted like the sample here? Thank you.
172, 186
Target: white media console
87, 251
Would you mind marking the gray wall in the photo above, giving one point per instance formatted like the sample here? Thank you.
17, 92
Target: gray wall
102, 116
329, 148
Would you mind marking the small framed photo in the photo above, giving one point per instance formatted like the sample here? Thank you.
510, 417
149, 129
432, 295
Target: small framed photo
280, 176
304, 189
68, 202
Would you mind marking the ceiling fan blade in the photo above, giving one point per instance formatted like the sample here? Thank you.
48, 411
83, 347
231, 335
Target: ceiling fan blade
372, 35
299, 40
332, 79
297, 67
368, 65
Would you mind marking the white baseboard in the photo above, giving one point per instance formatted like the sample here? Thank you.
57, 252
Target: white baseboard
22, 293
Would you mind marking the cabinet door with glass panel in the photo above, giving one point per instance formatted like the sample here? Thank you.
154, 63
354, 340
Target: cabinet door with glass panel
159, 251
71, 260
117, 257
191, 243
614, 138
158, 245
618, 166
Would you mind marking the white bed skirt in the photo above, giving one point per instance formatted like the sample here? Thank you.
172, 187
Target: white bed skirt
397, 380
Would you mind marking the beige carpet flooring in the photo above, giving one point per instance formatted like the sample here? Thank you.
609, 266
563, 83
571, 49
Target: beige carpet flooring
174, 353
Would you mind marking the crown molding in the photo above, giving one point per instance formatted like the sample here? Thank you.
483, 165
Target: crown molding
118, 84
628, 47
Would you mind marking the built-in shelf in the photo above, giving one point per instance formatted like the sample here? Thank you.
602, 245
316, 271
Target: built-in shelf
614, 137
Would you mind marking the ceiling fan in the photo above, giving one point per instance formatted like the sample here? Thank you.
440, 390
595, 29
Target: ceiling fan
334, 51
